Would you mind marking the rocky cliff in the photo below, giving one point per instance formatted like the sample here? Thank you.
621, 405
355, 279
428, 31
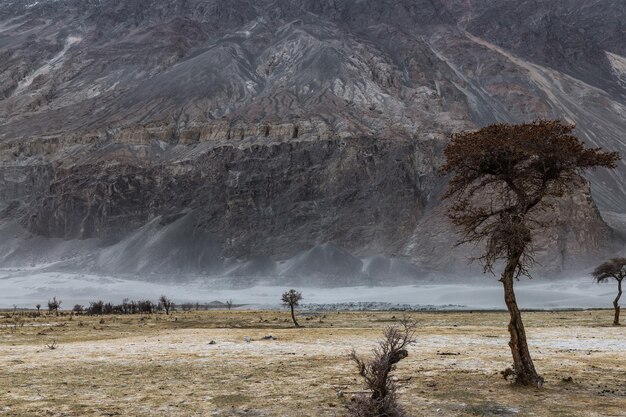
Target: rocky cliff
286, 138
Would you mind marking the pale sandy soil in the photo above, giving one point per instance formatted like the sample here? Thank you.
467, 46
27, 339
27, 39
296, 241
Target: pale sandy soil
165, 366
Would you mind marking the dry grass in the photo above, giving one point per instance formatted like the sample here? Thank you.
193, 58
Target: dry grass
165, 366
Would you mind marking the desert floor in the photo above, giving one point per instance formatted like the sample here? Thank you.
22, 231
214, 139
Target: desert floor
162, 365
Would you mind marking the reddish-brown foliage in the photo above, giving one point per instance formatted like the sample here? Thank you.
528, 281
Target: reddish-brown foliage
502, 174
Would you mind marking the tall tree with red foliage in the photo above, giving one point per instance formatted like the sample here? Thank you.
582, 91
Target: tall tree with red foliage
502, 178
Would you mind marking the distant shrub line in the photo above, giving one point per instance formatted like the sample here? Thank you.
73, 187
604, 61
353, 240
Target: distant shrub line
99, 308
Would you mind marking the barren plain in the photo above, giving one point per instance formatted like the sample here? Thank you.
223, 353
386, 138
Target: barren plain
200, 364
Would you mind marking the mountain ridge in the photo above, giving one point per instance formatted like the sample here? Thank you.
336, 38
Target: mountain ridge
290, 125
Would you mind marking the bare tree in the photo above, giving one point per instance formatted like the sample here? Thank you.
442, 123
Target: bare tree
615, 268
108, 308
183, 306
166, 304
501, 177
383, 401
38, 306
96, 308
229, 304
145, 306
54, 305
128, 306
292, 299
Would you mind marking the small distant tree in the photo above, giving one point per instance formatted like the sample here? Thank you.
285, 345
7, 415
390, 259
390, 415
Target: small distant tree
96, 308
616, 269
501, 177
187, 306
54, 305
166, 304
292, 299
383, 400
78, 308
108, 308
229, 304
38, 306
129, 306
145, 306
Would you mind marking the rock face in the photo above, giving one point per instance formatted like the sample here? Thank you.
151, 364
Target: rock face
286, 138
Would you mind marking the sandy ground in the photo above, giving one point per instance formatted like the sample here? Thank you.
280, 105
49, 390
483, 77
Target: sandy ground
166, 365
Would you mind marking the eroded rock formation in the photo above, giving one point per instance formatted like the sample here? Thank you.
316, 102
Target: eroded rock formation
270, 137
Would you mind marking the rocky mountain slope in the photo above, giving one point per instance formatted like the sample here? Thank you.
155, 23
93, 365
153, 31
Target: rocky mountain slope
290, 138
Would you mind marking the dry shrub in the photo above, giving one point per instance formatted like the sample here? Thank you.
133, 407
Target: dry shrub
383, 400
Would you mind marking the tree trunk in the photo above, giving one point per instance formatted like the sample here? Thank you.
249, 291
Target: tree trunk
525, 372
616, 302
293, 317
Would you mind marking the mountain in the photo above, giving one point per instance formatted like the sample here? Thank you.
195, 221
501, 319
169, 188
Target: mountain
287, 138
